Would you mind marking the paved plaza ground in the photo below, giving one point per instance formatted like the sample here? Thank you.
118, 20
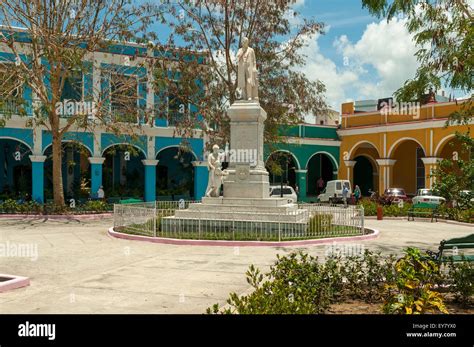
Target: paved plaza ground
81, 269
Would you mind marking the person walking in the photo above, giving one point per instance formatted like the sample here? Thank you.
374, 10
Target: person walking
319, 185
345, 191
357, 193
100, 193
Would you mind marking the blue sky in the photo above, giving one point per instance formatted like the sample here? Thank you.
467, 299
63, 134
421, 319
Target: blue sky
360, 56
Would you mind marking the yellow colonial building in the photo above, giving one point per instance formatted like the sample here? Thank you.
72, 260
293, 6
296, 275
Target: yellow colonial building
397, 147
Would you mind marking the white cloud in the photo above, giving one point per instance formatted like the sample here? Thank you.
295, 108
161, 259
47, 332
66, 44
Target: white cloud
389, 49
377, 64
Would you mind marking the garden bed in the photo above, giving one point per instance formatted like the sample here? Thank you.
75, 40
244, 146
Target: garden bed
356, 283
362, 307
368, 234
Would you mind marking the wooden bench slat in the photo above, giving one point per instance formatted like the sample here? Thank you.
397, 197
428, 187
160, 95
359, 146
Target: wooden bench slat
458, 245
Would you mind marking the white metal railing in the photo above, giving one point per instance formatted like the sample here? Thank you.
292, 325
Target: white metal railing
308, 221
9, 107
131, 219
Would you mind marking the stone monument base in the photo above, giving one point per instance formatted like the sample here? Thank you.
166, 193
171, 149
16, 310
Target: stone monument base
246, 209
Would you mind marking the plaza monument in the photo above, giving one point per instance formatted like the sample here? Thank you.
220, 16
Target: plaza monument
245, 181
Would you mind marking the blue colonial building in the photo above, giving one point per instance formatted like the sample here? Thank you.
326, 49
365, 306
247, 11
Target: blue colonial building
148, 162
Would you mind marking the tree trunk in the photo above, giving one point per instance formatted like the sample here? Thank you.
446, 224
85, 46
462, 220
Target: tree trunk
58, 191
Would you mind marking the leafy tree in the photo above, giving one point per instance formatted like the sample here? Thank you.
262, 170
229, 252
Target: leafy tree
57, 43
444, 32
454, 175
216, 29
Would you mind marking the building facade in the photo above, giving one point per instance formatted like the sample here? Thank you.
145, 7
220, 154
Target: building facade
397, 147
148, 161
145, 161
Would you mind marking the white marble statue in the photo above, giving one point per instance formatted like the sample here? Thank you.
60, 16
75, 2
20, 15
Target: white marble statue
216, 174
247, 74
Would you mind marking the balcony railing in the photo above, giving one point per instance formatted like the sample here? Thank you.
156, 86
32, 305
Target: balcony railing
10, 107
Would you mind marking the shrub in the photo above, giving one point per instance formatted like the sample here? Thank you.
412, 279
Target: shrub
296, 284
370, 207
461, 281
365, 276
96, 206
410, 291
320, 223
15, 206
395, 211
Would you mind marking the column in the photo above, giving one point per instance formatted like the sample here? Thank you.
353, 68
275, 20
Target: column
96, 174
301, 182
350, 170
37, 175
431, 164
385, 173
150, 179
334, 175
201, 177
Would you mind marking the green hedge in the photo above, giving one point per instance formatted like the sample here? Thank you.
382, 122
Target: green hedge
11, 206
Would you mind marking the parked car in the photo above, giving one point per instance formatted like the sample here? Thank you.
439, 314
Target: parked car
288, 192
333, 191
394, 196
427, 196
467, 199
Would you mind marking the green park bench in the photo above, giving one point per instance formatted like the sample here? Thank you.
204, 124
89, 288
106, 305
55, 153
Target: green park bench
455, 246
424, 209
130, 201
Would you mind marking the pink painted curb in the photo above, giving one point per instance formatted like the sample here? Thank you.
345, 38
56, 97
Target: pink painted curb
13, 283
56, 216
166, 241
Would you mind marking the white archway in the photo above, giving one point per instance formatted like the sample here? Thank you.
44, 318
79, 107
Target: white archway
18, 140
285, 151
174, 146
393, 147
70, 141
334, 161
123, 144
442, 143
355, 147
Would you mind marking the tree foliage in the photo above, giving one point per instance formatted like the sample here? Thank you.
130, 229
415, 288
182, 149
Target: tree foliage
443, 32
55, 42
276, 32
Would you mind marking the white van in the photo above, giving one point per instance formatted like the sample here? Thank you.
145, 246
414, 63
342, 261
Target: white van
333, 191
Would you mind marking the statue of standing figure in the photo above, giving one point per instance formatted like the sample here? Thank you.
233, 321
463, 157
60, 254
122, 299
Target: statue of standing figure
216, 174
247, 74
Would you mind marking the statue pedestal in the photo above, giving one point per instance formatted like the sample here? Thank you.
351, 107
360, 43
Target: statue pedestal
248, 177
246, 188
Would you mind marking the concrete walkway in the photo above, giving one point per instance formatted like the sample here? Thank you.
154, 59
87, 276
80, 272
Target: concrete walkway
81, 269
